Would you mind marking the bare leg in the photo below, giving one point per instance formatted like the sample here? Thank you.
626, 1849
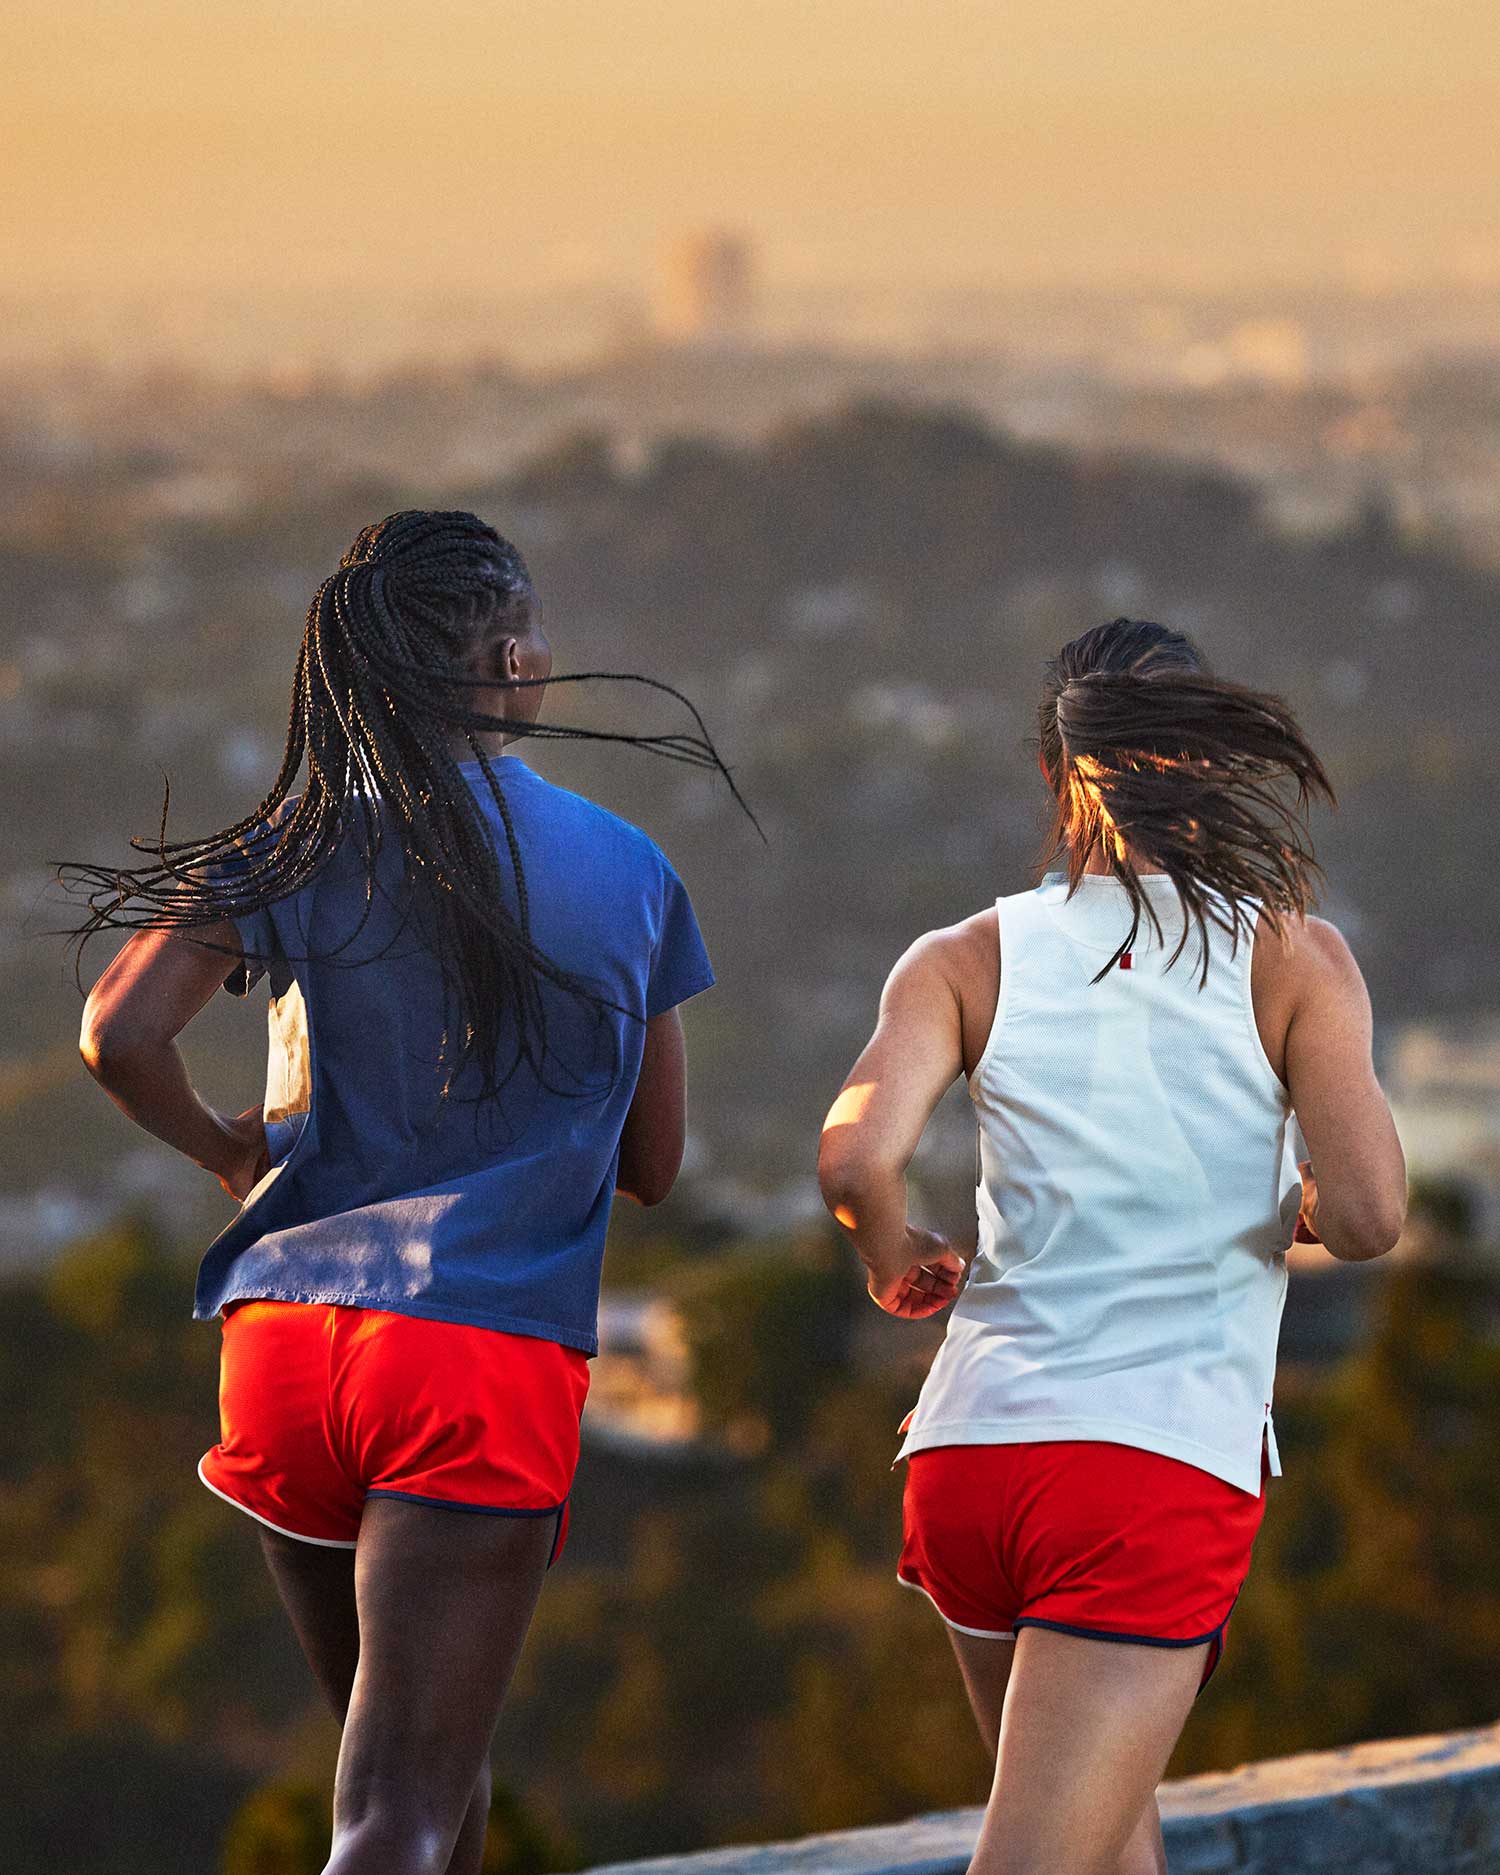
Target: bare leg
316, 1586
445, 1599
1050, 1724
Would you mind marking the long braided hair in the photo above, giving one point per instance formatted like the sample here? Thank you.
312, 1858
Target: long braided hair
1148, 752
383, 682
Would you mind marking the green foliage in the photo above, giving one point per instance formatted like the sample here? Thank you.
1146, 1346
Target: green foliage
516, 1844
84, 1801
768, 1334
280, 1829
724, 1654
1373, 1608
1446, 1206
137, 1628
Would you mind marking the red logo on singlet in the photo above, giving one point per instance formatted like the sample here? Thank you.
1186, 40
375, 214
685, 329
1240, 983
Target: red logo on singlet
1125, 961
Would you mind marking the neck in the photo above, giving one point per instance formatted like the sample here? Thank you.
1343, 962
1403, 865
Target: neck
1097, 863
492, 744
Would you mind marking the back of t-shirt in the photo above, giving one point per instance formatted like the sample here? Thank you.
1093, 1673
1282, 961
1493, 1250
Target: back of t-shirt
384, 1194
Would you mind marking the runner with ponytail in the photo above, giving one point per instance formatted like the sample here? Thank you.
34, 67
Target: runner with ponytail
474, 982
1142, 1033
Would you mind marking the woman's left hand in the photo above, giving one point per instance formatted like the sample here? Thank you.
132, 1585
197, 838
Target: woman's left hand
1307, 1217
247, 1154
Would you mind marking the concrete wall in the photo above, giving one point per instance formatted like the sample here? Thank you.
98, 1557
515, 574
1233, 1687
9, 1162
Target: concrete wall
1410, 1806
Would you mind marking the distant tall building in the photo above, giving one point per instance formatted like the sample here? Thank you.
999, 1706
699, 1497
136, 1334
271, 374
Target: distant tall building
707, 290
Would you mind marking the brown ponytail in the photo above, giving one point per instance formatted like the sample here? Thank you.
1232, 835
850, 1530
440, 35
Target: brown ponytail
1148, 752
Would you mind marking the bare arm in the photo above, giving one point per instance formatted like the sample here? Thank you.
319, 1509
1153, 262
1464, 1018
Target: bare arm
134, 1013
655, 1128
873, 1129
1356, 1193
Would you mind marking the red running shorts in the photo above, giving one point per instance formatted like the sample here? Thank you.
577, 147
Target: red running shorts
1100, 1540
322, 1407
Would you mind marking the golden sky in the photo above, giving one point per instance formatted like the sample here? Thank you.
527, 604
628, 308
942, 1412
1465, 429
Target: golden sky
476, 146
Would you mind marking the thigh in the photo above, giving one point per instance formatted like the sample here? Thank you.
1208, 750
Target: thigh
1087, 1730
445, 1597
316, 1586
985, 1666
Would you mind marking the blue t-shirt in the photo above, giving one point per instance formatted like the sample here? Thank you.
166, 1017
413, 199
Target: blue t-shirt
381, 1193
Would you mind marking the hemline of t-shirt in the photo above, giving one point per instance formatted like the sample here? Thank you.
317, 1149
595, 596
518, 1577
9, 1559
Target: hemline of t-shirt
1023, 1431
427, 1311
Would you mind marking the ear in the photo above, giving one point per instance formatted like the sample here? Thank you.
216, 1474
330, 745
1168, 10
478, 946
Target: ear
510, 660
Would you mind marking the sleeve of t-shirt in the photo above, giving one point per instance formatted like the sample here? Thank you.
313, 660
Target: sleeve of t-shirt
257, 940
256, 931
679, 962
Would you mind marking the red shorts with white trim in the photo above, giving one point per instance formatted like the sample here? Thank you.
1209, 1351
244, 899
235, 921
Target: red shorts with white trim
1105, 1541
323, 1407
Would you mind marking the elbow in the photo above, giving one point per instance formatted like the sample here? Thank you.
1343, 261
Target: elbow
649, 1180
650, 1190
111, 1042
1361, 1238
101, 1042
843, 1178
833, 1176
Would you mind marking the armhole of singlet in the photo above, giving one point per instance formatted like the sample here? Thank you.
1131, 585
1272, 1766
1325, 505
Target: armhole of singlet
1001, 999
1257, 1046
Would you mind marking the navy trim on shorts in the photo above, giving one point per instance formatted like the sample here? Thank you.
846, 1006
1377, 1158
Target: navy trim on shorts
1214, 1637
485, 1510
1106, 1634
481, 1510
557, 1534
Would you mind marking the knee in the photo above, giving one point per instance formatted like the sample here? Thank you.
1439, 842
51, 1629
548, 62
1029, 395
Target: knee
389, 1837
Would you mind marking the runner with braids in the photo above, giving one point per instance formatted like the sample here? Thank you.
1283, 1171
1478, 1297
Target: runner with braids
475, 979
1141, 1034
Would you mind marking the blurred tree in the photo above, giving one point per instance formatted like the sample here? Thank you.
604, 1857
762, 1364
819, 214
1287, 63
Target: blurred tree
280, 1829
515, 1843
142, 1655
767, 1330
733, 1660
1373, 1608
1446, 1211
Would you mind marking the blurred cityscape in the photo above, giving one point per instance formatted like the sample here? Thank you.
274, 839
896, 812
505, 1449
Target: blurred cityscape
928, 495
1318, 391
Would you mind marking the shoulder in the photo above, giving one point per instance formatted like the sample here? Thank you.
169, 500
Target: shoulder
1308, 965
1305, 950
962, 959
952, 975
588, 819
1324, 966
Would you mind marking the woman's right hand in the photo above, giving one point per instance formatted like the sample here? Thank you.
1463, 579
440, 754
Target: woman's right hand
247, 1153
928, 1281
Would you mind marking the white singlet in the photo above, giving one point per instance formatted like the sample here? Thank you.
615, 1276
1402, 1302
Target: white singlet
1138, 1189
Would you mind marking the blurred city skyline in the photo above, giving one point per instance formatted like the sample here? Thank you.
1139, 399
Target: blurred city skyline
322, 180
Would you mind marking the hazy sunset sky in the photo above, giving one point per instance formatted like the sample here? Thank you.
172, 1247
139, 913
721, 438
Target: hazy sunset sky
478, 146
